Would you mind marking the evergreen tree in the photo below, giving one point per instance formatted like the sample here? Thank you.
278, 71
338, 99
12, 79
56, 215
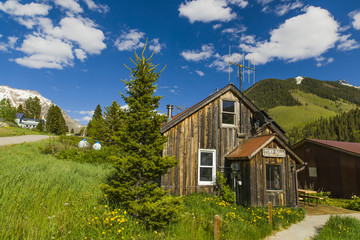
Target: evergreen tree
135, 183
113, 123
32, 108
40, 126
7, 112
20, 109
95, 127
55, 122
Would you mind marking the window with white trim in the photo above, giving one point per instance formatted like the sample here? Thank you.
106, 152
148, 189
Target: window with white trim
207, 166
228, 114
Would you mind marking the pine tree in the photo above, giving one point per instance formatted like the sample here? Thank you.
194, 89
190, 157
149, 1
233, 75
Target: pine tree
139, 168
55, 122
20, 109
95, 127
7, 112
113, 123
40, 126
32, 108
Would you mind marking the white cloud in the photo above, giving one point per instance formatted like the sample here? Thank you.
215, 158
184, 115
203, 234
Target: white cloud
206, 52
85, 112
96, 7
200, 73
321, 61
71, 5
155, 45
80, 54
216, 26
355, 15
222, 62
234, 31
207, 11
240, 3
347, 44
83, 32
305, 36
130, 40
13, 7
282, 9
247, 39
45, 52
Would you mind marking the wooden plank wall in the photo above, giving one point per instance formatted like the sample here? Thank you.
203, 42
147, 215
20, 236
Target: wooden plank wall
259, 195
201, 130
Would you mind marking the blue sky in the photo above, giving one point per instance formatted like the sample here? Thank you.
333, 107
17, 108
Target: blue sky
73, 51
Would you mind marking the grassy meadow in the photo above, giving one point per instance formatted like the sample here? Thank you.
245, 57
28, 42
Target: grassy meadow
43, 197
340, 228
312, 108
16, 131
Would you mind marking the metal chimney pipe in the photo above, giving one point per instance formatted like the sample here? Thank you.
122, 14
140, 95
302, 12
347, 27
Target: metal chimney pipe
169, 111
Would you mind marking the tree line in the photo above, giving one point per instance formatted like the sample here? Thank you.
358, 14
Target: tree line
55, 122
343, 127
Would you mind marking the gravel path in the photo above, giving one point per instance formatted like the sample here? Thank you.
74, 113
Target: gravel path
21, 139
307, 228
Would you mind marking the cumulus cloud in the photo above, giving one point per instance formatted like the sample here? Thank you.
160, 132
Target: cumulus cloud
80, 54
355, 15
155, 45
207, 51
70, 5
200, 73
322, 61
45, 52
207, 11
305, 36
239, 3
14, 8
216, 26
222, 62
96, 7
130, 40
234, 31
347, 44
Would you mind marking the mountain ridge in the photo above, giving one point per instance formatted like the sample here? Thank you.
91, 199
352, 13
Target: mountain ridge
19, 96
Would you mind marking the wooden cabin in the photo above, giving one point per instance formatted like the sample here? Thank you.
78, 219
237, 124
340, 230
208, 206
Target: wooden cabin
332, 166
226, 132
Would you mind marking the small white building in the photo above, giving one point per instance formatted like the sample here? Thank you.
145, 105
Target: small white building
23, 122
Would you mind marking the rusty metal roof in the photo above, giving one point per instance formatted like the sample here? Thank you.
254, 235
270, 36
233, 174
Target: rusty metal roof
250, 147
346, 146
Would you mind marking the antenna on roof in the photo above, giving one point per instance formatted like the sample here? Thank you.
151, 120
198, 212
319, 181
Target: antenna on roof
242, 68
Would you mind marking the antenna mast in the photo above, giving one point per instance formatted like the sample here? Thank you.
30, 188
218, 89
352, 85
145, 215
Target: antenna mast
242, 67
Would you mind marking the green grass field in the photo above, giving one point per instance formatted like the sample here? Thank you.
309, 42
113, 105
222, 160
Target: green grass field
312, 108
16, 131
42, 197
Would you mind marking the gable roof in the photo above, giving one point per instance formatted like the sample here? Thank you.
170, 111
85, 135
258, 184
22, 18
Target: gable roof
348, 147
248, 149
19, 115
230, 87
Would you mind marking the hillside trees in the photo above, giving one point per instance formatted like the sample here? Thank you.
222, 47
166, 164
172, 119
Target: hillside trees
55, 122
135, 183
343, 127
7, 112
113, 123
32, 108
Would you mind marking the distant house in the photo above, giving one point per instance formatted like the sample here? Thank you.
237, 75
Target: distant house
226, 132
23, 122
332, 166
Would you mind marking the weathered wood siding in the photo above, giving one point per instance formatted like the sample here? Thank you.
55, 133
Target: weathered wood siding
260, 196
203, 130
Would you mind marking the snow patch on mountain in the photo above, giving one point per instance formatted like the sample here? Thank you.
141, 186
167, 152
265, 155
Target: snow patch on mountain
299, 79
344, 83
19, 96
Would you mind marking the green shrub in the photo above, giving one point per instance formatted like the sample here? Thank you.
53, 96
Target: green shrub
354, 203
223, 189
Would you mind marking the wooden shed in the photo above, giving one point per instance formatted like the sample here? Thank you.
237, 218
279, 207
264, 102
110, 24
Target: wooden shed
332, 166
226, 132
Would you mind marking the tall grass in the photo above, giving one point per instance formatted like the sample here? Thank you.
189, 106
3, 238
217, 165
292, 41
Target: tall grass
42, 197
17, 131
338, 227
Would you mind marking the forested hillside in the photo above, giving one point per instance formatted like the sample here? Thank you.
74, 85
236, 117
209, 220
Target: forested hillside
343, 127
270, 93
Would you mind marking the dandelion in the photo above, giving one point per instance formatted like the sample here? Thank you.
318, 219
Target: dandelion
106, 206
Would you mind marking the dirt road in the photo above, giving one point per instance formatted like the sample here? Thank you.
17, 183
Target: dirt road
21, 139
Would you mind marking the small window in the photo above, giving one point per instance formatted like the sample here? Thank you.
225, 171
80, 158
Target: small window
228, 112
312, 172
273, 177
207, 167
